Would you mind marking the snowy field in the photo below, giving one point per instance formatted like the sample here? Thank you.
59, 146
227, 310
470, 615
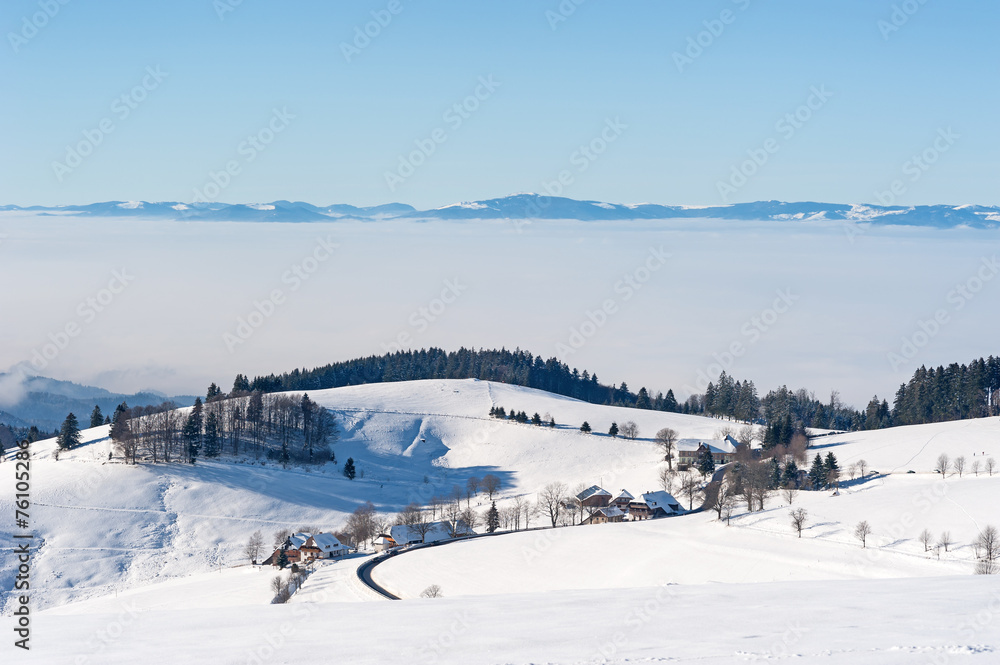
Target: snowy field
152, 553
872, 622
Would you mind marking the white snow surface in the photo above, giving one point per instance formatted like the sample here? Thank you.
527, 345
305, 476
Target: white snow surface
151, 554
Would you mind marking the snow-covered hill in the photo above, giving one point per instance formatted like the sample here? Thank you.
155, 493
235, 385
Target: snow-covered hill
107, 527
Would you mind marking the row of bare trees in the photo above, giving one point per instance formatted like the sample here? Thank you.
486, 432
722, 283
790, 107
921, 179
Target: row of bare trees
958, 465
280, 426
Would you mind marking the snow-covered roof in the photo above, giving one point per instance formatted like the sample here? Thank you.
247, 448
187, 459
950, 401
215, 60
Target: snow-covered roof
403, 534
611, 511
299, 539
661, 499
327, 542
593, 490
624, 494
717, 446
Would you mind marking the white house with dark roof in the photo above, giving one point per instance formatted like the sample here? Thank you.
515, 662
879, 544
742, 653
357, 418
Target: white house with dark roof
654, 505
323, 546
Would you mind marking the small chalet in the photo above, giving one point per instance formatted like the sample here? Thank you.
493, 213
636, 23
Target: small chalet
384, 542
723, 450
293, 550
594, 497
622, 501
605, 515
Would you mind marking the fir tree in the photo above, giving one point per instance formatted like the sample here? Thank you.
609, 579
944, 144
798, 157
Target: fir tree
96, 417
493, 411
552, 421
69, 433
349, 470
119, 424
613, 432
536, 419
282, 559
192, 431
642, 399
585, 427
776, 475
492, 518
213, 392
211, 438
817, 473
791, 474
107, 420
706, 462
670, 402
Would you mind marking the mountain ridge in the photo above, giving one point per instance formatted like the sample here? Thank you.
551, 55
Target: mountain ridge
535, 206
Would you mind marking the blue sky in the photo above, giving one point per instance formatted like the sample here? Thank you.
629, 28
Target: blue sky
685, 128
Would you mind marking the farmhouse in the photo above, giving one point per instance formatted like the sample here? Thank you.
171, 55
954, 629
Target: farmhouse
384, 542
402, 534
323, 546
605, 515
723, 450
622, 501
654, 505
594, 497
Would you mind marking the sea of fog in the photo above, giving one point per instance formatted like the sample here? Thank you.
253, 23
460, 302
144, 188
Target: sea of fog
129, 304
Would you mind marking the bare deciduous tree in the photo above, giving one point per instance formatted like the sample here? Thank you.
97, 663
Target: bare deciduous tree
433, 591
852, 471
987, 548
528, 510
959, 465
926, 539
862, 531
862, 468
746, 435
976, 464
690, 487
789, 493
666, 438
280, 536
991, 465
490, 484
943, 464
945, 540
471, 490
799, 516
667, 477
254, 546
629, 430
551, 500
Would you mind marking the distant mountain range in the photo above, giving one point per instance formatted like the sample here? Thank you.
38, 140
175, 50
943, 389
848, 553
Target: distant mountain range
534, 206
45, 402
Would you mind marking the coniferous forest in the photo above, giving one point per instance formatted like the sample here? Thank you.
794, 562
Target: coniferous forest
931, 395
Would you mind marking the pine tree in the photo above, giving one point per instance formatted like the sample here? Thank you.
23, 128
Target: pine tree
613, 432
492, 518
349, 470
119, 423
69, 433
536, 419
832, 468
552, 421
776, 475
670, 402
817, 473
213, 392
706, 462
642, 400
493, 411
192, 431
96, 417
585, 427
791, 474
211, 438
107, 420
282, 559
